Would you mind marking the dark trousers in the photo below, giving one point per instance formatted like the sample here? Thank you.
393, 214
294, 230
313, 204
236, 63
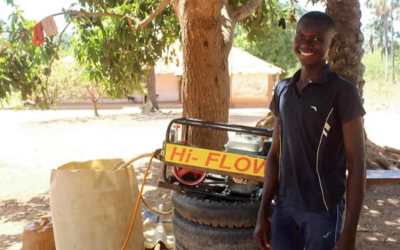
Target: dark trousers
295, 229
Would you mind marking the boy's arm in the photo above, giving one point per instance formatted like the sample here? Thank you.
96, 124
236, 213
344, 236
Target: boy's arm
353, 135
271, 172
262, 230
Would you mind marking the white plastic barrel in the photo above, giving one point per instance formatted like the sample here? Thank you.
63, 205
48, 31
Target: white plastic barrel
92, 206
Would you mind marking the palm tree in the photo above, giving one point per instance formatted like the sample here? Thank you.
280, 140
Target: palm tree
345, 57
394, 5
374, 32
382, 10
376, 36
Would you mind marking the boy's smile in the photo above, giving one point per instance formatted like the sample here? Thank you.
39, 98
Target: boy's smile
312, 41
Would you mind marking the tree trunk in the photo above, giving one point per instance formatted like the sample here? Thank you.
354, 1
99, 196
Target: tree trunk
207, 36
151, 88
345, 57
392, 50
94, 102
205, 70
385, 26
91, 95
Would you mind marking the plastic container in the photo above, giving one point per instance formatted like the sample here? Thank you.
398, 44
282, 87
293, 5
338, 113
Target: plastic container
38, 235
92, 206
244, 144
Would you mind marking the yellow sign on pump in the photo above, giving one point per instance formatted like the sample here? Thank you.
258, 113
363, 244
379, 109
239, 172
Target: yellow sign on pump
217, 160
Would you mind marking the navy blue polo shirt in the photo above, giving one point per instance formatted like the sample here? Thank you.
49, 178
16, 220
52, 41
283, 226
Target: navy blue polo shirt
313, 159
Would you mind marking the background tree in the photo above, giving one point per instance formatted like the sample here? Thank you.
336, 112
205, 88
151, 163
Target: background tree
375, 34
69, 81
127, 36
120, 36
377, 29
275, 44
394, 6
375, 66
276, 47
382, 10
23, 66
151, 88
207, 32
117, 57
345, 59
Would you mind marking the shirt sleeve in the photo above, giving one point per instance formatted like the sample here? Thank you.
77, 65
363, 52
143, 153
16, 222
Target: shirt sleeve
274, 106
349, 103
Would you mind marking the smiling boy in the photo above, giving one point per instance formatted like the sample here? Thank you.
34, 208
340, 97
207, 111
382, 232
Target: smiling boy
318, 135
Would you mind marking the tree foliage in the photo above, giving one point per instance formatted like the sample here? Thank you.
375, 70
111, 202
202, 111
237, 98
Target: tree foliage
114, 50
66, 81
112, 54
375, 69
274, 43
21, 62
383, 25
275, 48
116, 42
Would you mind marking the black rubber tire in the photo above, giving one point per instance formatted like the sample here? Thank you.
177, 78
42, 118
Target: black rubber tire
192, 236
230, 214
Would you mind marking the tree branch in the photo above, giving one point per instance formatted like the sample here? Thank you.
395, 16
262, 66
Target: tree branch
157, 11
228, 26
130, 25
90, 93
87, 14
98, 97
79, 14
242, 12
143, 23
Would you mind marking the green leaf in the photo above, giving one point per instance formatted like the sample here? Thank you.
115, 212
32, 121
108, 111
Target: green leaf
251, 36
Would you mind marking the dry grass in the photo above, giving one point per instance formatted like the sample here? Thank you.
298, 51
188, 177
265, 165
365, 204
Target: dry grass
381, 96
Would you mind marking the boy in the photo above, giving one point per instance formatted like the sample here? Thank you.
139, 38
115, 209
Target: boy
318, 134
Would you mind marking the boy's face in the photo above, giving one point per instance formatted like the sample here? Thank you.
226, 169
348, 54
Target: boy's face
312, 41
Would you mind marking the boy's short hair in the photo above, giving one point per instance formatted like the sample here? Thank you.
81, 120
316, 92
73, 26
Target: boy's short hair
320, 16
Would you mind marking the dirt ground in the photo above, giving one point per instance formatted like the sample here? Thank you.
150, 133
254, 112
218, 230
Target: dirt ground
34, 142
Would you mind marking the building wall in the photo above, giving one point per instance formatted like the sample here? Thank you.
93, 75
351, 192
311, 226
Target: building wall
167, 88
138, 98
251, 90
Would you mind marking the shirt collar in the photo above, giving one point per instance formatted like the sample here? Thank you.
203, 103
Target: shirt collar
321, 79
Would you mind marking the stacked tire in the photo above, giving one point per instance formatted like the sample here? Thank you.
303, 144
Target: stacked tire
212, 224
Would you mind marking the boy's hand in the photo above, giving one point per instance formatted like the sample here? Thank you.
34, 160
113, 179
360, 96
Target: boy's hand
344, 244
262, 234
